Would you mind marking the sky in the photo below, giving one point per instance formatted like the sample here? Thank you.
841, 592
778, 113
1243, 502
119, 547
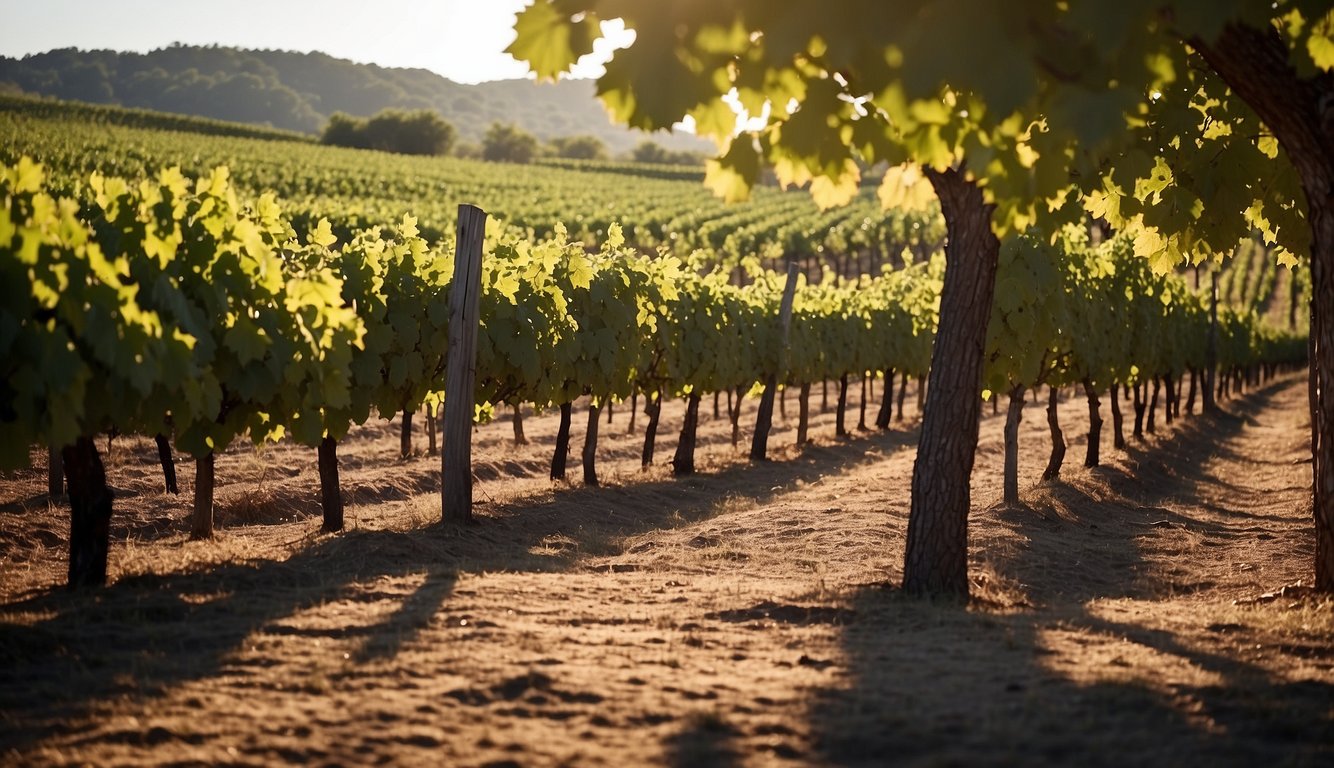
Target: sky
463, 40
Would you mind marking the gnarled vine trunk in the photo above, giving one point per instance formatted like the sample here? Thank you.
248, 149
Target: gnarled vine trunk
803, 412
683, 463
562, 452
201, 517
903, 390
1057, 458
1118, 426
1139, 410
653, 409
405, 436
840, 424
1091, 457
886, 401
90, 514
861, 407
519, 437
1013, 416
590, 452
164, 458
430, 431
734, 415
1153, 404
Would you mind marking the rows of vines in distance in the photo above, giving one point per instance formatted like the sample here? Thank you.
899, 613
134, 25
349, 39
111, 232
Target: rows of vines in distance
106, 114
174, 306
354, 189
1252, 280
657, 205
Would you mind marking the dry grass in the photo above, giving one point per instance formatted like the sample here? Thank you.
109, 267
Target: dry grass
740, 616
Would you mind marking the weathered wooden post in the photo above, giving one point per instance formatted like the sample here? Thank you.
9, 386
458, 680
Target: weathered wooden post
759, 444
461, 368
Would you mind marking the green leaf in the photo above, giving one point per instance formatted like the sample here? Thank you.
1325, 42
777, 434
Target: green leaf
323, 235
732, 176
550, 42
1320, 45
581, 270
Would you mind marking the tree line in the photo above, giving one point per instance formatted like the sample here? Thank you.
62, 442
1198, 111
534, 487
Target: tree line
424, 132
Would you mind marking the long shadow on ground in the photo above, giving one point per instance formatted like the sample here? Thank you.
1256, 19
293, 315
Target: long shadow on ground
144, 635
936, 684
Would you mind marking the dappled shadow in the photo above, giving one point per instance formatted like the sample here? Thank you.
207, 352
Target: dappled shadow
144, 635
933, 684
1079, 674
706, 741
1084, 537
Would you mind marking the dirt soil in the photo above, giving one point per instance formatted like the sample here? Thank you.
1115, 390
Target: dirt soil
1125, 615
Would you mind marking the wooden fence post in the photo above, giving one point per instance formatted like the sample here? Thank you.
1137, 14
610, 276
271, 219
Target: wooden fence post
759, 444
461, 368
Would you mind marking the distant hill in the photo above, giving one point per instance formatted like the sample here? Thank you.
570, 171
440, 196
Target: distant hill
298, 91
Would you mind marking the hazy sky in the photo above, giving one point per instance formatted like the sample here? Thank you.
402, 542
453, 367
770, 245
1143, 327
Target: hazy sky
463, 40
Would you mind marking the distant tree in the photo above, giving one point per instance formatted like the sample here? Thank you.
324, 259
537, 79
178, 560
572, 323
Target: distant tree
584, 147
344, 130
649, 152
420, 132
652, 152
507, 143
86, 82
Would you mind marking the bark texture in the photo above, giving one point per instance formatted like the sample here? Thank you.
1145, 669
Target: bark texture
936, 555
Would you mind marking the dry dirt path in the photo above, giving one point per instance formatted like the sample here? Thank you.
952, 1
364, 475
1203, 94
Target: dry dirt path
739, 616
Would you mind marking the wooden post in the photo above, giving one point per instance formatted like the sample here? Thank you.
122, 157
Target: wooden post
461, 368
759, 444
331, 496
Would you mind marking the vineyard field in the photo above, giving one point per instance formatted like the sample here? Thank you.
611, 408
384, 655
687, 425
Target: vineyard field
227, 353
674, 621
